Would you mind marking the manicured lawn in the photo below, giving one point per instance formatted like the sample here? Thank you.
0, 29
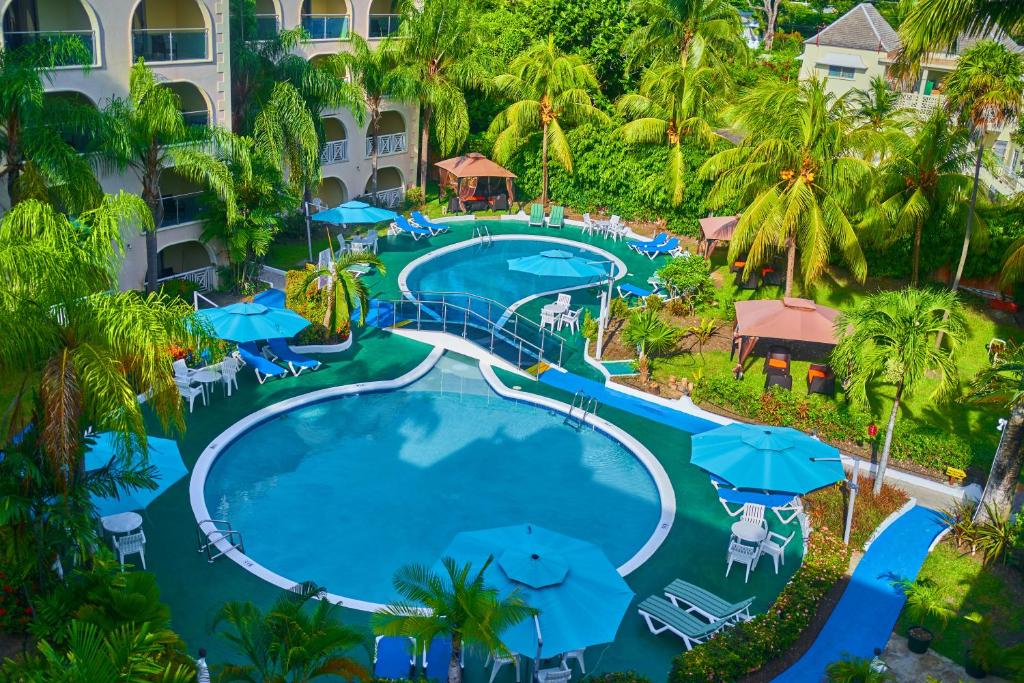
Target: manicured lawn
995, 591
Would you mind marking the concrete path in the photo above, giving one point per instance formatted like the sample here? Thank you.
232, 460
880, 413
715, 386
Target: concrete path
870, 605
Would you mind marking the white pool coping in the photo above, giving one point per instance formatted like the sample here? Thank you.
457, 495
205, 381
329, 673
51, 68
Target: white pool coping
620, 267
662, 483
209, 455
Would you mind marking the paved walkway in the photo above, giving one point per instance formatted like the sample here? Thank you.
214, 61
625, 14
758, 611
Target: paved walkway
908, 667
870, 606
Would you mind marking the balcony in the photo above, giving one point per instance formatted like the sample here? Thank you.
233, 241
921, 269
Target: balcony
196, 118
391, 143
925, 104
383, 25
180, 208
160, 45
333, 152
267, 26
391, 198
326, 26
60, 44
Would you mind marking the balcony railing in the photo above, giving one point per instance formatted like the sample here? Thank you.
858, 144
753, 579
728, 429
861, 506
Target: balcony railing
389, 199
334, 151
925, 104
84, 56
202, 277
159, 45
196, 118
267, 26
180, 208
326, 26
383, 25
392, 143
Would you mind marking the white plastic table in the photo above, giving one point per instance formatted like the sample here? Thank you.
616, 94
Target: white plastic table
750, 532
206, 376
122, 523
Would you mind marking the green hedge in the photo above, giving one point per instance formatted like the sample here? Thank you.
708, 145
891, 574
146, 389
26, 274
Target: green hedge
834, 421
745, 648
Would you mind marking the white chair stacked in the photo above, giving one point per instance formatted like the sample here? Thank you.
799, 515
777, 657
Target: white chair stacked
130, 544
500, 661
775, 546
743, 554
571, 319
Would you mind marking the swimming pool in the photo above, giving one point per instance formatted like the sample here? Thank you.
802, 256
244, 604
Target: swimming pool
345, 491
481, 268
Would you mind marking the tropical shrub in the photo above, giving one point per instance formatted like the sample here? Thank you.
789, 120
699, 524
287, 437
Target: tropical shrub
745, 648
414, 198
310, 303
827, 508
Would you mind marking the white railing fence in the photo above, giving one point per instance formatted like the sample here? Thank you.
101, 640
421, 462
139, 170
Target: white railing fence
334, 151
202, 277
392, 143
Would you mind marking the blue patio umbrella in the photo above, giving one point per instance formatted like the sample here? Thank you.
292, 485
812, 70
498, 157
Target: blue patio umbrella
763, 458
244, 322
579, 594
162, 455
351, 213
556, 263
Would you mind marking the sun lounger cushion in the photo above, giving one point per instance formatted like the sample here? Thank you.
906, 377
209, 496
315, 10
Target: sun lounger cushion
633, 290
284, 353
430, 225
251, 356
778, 363
405, 226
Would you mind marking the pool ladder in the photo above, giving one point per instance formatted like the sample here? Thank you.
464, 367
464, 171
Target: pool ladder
582, 405
484, 233
209, 533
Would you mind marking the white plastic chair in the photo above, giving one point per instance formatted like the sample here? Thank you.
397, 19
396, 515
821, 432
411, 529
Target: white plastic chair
588, 225
499, 661
564, 301
548, 319
744, 554
190, 392
775, 546
578, 656
559, 674
613, 230
181, 371
130, 544
570, 318
229, 368
753, 513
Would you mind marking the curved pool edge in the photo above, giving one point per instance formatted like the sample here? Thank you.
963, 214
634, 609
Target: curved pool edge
662, 482
197, 482
620, 265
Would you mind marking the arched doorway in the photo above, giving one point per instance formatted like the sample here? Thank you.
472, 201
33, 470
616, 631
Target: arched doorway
384, 18
191, 261
30, 22
180, 199
326, 19
268, 19
390, 188
68, 112
194, 106
391, 135
335, 147
332, 191
169, 31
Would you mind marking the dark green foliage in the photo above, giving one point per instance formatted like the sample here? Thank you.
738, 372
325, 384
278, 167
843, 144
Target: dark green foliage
742, 649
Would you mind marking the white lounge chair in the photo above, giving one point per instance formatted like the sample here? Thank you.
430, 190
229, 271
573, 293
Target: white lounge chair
189, 392
558, 674
498, 662
131, 544
576, 655
744, 554
775, 546
570, 319
791, 510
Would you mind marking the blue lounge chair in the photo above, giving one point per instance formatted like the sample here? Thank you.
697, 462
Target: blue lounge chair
436, 659
393, 657
658, 240
627, 291
402, 226
278, 350
671, 248
419, 220
250, 355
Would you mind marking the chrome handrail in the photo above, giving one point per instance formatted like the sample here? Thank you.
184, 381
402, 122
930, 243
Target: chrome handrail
506, 311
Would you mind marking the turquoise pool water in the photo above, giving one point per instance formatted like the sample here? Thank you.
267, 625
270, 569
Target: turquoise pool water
482, 269
346, 491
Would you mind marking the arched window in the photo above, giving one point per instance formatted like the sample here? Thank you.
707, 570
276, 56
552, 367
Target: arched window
50, 22
169, 31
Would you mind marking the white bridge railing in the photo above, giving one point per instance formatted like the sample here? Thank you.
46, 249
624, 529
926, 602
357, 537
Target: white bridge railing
202, 277
334, 151
392, 143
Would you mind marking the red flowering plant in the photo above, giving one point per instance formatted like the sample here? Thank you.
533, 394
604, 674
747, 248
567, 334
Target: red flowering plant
15, 614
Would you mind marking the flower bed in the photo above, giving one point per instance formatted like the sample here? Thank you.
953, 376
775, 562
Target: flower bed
745, 648
827, 508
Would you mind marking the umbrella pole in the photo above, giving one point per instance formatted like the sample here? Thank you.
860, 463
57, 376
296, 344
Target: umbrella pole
309, 230
853, 485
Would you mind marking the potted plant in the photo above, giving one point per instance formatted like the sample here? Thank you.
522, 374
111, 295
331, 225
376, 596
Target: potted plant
925, 602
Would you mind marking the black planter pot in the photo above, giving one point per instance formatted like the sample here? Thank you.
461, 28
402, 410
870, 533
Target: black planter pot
974, 669
919, 639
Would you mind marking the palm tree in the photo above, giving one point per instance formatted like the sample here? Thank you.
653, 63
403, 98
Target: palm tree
378, 78
78, 352
675, 101
984, 91
36, 159
441, 43
550, 90
290, 643
650, 335
1002, 381
936, 25
345, 290
921, 185
795, 177
678, 30
147, 133
889, 337
878, 121
459, 605
855, 670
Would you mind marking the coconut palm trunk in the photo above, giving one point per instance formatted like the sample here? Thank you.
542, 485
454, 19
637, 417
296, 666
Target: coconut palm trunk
424, 146
790, 265
374, 130
544, 165
151, 195
1006, 465
883, 458
455, 663
970, 211
915, 263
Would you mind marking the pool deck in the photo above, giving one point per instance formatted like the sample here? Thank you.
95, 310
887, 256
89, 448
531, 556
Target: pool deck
694, 549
